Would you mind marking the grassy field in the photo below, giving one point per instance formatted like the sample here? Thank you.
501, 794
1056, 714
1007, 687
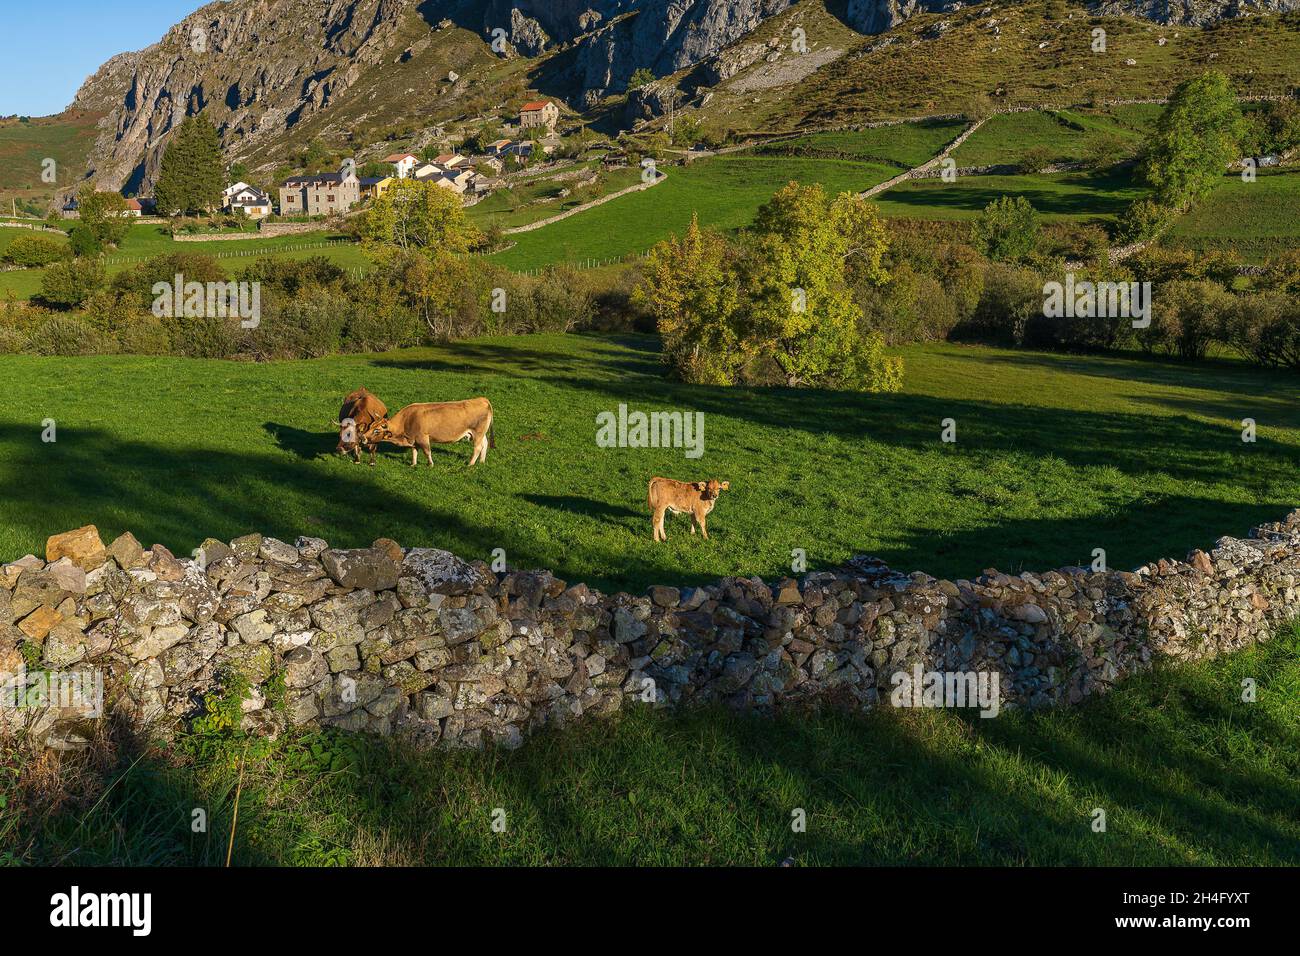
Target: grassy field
1068, 134
150, 239
1186, 772
903, 144
725, 191
1083, 196
540, 198
1056, 455
1257, 219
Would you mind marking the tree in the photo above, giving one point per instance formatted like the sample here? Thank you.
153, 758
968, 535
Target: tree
640, 78
69, 283
1196, 137
1007, 230
692, 291
102, 221
419, 232
776, 304
192, 174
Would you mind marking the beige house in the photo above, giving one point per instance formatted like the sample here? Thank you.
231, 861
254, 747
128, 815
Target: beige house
542, 113
321, 194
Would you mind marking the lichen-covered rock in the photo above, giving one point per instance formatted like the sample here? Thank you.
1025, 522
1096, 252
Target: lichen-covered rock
367, 568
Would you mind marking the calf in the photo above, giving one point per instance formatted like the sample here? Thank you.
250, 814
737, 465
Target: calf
418, 426
681, 497
360, 411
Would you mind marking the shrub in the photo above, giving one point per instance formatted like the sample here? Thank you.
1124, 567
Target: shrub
1265, 328
12, 341
84, 242
561, 301
140, 279
1007, 230
1035, 159
1144, 219
1011, 296
144, 335
1186, 317
35, 250
68, 283
310, 326
65, 335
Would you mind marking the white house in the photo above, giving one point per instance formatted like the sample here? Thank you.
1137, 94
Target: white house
403, 164
449, 160
246, 199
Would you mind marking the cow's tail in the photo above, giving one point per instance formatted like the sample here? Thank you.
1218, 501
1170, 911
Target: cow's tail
491, 429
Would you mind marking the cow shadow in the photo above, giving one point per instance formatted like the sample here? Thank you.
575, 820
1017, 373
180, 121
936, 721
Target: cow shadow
587, 507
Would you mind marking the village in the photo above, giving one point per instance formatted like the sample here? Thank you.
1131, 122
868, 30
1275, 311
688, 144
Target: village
327, 194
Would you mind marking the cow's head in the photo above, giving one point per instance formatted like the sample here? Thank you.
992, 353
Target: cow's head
380, 430
348, 435
712, 488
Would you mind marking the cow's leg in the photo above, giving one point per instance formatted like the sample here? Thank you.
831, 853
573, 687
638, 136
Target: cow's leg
415, 456
703, 528
428, 452
373, 449
657, 522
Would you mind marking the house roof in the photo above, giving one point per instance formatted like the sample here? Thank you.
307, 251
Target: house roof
398, 157
535, 106
316, 178
133, 204
375, 180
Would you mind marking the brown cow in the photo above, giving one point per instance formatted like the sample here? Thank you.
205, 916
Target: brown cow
359, 412
417, 426
696, 498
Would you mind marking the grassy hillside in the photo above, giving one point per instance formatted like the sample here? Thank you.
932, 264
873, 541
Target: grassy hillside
24, 146
1012, 55
176, 449
724, 191
1084, 196
1257, 219
1067, 135
1186, 772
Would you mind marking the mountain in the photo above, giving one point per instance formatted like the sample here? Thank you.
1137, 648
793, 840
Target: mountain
276, 75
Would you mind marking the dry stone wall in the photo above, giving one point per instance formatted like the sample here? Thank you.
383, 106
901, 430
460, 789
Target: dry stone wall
421, 643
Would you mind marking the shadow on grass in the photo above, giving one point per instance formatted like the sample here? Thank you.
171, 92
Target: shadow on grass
1186, 772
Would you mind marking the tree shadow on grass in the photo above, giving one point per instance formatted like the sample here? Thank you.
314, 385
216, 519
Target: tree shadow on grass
307, 445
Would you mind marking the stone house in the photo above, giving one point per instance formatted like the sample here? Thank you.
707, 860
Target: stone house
320, 194
541, 113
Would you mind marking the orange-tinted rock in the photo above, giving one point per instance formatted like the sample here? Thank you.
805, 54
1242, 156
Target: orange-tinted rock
82, 546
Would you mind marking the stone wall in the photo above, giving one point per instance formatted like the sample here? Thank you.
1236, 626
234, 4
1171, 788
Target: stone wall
420, 642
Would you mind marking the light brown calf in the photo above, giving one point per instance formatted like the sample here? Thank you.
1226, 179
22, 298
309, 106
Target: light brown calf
418, 426
681, 497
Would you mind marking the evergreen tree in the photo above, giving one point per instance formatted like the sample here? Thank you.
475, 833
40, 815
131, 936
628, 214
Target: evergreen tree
192, 176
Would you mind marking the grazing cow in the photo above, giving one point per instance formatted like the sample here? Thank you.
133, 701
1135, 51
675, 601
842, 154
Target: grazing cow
417, 426
682, 497
360, 411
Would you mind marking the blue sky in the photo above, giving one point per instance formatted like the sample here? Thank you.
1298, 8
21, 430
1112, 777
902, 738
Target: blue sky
48, 47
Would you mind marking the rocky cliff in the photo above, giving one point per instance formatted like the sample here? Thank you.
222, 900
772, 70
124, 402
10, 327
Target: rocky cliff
260, 67
257, 66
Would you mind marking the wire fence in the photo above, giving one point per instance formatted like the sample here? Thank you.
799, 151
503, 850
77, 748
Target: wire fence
236, 253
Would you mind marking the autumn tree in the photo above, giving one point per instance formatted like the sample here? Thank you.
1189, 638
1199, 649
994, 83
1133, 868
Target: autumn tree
779, 296
419, 234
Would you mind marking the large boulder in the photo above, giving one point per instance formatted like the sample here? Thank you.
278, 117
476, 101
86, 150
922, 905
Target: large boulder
367, 568
82, 546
